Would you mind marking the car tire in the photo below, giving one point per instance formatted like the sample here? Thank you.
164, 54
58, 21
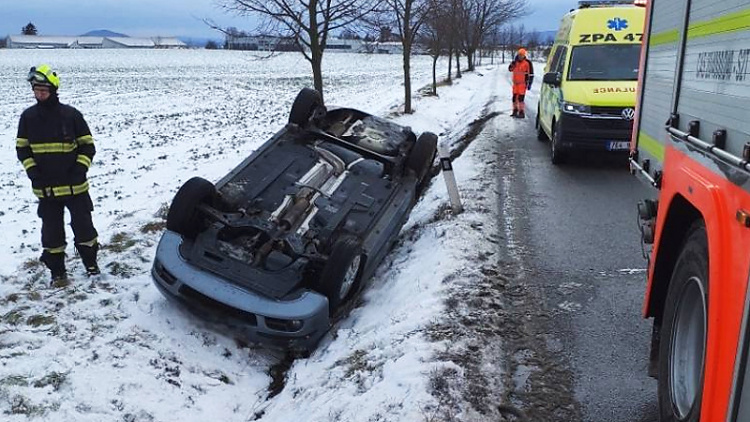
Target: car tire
342, 274
683, 332
557, 155
421, 157
540, 134
183, 217
308, 104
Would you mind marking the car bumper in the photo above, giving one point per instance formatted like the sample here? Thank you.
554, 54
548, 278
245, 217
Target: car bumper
595, 133
296, 324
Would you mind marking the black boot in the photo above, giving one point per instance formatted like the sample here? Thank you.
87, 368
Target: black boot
88, 256
56, 264
515, 113
521, 115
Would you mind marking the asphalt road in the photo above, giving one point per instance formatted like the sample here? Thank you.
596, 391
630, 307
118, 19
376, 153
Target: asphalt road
571, 233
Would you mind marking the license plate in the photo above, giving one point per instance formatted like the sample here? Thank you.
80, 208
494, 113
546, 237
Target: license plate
618, 145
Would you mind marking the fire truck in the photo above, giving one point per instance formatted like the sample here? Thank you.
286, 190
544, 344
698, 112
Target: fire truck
691, 142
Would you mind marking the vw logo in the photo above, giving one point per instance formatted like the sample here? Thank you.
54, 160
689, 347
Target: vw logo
628, 114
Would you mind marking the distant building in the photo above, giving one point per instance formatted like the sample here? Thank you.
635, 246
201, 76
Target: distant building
127, 42
42, 41
87, 42
271, 43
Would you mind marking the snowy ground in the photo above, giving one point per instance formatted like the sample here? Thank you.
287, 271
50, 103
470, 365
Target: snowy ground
115, 350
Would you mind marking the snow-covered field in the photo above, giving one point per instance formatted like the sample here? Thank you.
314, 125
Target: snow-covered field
113, 349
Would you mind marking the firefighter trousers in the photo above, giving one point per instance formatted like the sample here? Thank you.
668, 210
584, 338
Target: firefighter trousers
51, 211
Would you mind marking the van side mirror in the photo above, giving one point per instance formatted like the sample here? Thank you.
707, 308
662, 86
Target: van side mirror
552, 78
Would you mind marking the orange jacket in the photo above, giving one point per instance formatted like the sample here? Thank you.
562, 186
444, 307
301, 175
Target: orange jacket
523, 75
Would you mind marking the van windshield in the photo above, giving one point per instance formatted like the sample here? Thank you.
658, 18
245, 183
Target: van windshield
613, 62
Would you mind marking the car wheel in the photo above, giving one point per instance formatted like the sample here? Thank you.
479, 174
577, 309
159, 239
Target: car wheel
540, 135
557, 155
183, 217
421, 157
307, 105
683, 334
342, 273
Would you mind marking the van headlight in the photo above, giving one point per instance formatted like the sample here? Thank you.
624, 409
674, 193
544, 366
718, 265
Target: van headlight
576, 108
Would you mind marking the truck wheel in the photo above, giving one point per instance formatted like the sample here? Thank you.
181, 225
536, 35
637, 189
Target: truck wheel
342, 274
540, 135
307, 105
683, 334
183, 217
421, 157
557, 155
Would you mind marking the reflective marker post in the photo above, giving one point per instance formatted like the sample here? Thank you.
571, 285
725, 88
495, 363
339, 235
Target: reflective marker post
450, 180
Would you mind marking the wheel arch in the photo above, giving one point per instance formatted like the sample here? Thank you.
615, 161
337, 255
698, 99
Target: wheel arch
681, 215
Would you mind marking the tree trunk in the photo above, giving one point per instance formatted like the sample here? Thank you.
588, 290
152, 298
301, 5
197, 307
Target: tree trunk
458, 63
450, 65
434, 74
470, 57
317, 69
407, 79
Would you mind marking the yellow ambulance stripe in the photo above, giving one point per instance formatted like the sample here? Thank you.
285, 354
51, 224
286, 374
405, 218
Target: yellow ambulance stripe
651, 145
732, 22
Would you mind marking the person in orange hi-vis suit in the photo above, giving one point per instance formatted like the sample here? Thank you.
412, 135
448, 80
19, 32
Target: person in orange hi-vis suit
523, 76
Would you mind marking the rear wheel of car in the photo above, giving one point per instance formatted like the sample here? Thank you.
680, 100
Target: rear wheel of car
540, 134
308, 104
183, 216
557, 156
342, 274
683, 333
421, 157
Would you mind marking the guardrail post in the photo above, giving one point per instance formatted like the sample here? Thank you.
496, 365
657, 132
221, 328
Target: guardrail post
450, 179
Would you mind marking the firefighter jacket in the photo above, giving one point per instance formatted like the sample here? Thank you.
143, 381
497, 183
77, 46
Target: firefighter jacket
55, 146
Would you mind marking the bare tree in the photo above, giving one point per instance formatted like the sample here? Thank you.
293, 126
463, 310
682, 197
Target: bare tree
307, 22
533, 40
408, 16
481, 16
435, 35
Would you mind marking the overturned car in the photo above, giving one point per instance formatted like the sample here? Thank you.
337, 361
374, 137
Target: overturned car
279, 245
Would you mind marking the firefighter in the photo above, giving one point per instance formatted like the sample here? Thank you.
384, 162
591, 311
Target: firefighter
523, 76
55, 147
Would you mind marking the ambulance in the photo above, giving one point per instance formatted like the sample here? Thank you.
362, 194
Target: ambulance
691, 143
587, 98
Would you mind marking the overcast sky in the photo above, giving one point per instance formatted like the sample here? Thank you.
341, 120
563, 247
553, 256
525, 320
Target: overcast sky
174, 17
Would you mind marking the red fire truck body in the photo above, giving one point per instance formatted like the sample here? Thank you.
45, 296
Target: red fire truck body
691, 141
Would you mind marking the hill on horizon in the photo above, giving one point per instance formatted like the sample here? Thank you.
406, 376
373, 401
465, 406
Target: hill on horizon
103, 33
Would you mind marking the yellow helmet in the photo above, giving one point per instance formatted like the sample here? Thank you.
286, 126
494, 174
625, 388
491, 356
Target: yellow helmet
43, 75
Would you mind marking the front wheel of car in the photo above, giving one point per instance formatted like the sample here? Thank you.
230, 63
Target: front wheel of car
183, 217
557, 155
421, 157
342, 274
307, 105
684, 331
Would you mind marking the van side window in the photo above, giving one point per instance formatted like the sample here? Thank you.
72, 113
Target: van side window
558, 60
561, 60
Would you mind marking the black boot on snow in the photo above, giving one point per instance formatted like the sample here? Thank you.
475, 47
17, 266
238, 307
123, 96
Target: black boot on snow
514, 114
88, 256
521, 115
56, 264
